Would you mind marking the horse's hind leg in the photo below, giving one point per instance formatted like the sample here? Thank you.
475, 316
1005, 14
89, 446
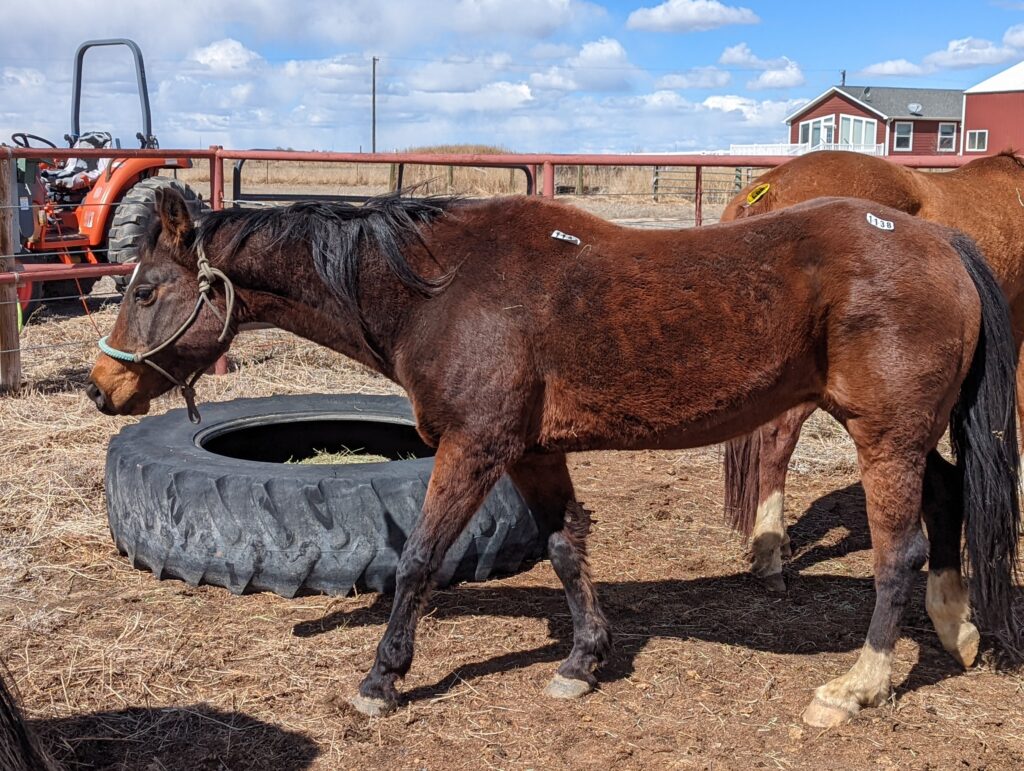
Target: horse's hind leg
465, 470
545, 483
946, 598
769, 544
892, 479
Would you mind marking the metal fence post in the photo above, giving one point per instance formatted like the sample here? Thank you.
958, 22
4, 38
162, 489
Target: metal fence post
549, 179
10, 348
698, 197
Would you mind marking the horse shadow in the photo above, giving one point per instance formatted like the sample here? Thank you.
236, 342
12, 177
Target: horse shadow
819, 613
844, 509
193, 737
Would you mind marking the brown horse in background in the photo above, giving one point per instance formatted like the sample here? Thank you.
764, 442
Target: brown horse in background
518, 343
984, 198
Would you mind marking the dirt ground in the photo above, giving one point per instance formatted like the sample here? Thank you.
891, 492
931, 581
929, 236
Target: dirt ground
118, 670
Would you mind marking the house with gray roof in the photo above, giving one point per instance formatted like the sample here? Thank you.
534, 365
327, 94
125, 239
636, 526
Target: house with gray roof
880, 120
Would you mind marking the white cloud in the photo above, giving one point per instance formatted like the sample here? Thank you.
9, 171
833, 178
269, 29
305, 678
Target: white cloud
740, 55
600, 65
969, 52
697, 77
459, 73
787, 76
529, 18
226, 57
689, 16
756, 113
1014, 36
894, 68
494, 97
782, 72
23, 77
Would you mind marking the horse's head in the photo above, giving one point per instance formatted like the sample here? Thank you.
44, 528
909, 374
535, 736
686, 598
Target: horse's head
169, 327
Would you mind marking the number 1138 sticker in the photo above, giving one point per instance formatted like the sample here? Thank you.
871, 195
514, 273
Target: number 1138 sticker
879, 223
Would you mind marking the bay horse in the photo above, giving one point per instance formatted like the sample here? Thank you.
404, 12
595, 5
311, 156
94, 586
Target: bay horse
523, 329
983, 199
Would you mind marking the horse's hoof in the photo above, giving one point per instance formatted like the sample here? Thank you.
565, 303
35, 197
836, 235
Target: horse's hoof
965, 650
774, 583
370, 706
567, 688
822, 715
785, 550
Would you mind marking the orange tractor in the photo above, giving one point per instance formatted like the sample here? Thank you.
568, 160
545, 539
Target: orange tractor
90, 210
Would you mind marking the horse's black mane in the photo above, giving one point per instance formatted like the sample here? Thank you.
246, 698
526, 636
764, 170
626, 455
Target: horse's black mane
335, 234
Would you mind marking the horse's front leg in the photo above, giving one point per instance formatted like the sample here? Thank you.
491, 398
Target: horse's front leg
465, 470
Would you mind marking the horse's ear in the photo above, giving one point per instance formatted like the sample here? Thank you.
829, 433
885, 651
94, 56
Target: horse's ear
175, 220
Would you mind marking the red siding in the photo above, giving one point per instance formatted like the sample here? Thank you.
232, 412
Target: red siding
1001, 115
926, 138
836, 105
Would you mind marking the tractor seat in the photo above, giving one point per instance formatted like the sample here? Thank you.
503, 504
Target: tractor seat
78, 174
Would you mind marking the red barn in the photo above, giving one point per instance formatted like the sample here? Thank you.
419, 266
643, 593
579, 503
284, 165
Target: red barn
994, 114
880, 120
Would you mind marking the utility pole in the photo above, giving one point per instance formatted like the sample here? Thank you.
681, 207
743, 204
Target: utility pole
373, 137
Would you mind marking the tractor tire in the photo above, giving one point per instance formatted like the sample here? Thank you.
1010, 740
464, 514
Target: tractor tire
134, 213
219, 503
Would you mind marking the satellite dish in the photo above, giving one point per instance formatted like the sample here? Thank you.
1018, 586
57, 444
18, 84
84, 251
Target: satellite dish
915, 108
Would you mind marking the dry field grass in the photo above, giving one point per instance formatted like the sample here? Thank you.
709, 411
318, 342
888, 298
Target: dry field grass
118, 670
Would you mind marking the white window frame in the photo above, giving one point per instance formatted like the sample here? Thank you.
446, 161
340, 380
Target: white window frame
896, 136
827, 123
983, 133
869, 128
938, 139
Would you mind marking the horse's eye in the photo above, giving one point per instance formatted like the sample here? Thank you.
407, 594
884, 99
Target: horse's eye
144, 294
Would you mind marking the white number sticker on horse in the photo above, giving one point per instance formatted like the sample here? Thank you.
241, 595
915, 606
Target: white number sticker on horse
879, 223
558, 234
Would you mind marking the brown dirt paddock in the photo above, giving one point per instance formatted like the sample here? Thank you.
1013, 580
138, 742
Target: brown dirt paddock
118, 670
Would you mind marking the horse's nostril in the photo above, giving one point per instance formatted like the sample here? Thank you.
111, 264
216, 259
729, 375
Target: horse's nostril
99, 399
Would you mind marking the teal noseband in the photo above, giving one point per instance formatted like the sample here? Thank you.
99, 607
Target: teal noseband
113, 353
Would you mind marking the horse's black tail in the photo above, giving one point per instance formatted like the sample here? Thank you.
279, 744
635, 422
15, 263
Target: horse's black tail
742, 482
983, 431
19, 750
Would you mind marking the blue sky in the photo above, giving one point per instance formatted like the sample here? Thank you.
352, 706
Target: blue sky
528, 75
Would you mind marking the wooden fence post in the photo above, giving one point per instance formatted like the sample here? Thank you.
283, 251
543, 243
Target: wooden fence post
579, 180
10, 350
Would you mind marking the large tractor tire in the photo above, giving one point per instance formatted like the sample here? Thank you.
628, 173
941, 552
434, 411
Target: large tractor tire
134, 214
220, 503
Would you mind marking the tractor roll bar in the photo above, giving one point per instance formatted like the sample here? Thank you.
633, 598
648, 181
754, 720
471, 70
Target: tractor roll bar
145, 137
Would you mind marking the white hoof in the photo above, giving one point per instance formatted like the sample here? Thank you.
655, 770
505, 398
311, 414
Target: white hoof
823, 715
370, 706
567, 688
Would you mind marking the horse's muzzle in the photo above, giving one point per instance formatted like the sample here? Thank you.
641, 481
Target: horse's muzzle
95, 393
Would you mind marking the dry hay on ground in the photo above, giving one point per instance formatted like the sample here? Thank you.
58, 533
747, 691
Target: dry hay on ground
119, 670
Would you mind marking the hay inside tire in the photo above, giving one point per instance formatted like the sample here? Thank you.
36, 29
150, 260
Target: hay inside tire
219, 504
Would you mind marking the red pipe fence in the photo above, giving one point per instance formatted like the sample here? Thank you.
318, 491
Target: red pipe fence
545, 163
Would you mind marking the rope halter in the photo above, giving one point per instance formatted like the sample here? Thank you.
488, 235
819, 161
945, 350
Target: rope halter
207, 275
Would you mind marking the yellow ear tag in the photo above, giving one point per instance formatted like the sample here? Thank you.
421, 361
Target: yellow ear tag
757, 193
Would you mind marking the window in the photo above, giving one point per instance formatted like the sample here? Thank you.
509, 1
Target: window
856, 132
904, 140
818, 131
977, 141
947, 138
